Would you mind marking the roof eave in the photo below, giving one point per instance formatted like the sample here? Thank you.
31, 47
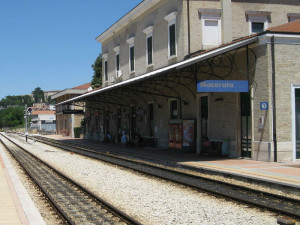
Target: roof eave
126, 19
69, 91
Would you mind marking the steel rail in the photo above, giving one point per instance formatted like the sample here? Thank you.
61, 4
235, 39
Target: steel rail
273, 202
110, 214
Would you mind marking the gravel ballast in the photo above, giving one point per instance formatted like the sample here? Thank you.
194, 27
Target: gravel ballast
149, 200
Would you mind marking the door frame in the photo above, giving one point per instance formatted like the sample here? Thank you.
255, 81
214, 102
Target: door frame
199, 123
293, 102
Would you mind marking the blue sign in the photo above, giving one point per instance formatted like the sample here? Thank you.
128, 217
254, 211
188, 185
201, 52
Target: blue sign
222, 86
264, 105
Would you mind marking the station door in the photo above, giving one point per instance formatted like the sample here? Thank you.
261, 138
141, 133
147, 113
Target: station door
246, 126
204, 119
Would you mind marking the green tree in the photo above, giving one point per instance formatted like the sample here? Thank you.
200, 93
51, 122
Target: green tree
50, 101
97, 77
27, 100
38, 95
12, 117
12, 100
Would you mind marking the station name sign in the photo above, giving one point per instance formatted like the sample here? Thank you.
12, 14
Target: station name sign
72, 111
222, 86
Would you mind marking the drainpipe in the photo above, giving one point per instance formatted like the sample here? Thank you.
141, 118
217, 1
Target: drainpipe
189, 28
226, 21
274, 97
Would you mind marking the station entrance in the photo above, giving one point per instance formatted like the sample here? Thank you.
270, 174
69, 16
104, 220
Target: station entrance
246, 125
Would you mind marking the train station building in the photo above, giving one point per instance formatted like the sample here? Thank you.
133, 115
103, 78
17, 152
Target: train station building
213, 77
69, 117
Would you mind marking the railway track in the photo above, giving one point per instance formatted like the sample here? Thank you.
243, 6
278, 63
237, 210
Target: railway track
73, 202
273, 202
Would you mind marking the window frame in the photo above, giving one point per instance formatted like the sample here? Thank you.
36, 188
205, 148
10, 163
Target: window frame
117, 60
171, 19
149, 34
211, 18
293, 16
105, 67
171, 115
131, 60
151, 50
210, 14
258, 17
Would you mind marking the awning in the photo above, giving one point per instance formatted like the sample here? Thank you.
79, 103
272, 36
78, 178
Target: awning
201, 57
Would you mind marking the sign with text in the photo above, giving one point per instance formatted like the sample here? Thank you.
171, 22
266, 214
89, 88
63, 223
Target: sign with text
222, 86
72, 111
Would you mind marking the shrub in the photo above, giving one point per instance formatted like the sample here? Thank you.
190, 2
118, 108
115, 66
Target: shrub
77, 132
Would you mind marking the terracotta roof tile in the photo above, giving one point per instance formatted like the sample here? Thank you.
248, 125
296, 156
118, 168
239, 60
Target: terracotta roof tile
291, 27
84, 86
223, 45
42, 112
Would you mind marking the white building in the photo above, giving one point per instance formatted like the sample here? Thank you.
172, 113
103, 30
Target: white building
43, 120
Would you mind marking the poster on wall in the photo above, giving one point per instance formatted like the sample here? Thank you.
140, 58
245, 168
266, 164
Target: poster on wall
188, 133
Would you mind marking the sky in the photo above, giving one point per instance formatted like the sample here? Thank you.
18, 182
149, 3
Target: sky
51, 43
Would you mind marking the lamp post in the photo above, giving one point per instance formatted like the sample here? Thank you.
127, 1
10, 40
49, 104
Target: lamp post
25, 117
27, 112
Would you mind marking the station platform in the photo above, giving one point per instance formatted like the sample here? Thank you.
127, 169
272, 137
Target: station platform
286, 173
16, 207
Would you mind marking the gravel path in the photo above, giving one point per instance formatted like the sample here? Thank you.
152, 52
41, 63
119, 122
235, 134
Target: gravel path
149, 200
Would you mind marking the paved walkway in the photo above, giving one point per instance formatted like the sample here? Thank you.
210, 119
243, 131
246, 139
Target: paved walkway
16, 207
284, 172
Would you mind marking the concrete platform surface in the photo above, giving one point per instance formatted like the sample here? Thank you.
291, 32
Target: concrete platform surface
16, 206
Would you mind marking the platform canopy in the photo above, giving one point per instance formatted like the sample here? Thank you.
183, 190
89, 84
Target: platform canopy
151, 83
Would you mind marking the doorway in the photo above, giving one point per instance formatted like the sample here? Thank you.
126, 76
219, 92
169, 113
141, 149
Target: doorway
204, 119
151, 119
246, 125
133, 130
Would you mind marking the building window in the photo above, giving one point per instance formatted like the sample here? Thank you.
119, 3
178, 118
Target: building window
174, 113
117, 51
118, 62
211, 26
105, 70
258, 21
104, 56
257, 27
130, 41
149, 51
172, 42
131, 58
149, 45
293, 16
